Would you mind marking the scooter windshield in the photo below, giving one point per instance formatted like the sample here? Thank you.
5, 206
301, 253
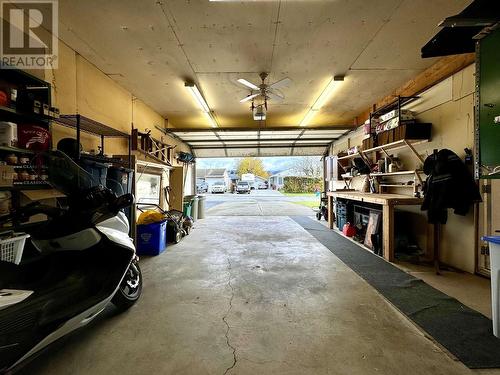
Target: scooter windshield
65, 175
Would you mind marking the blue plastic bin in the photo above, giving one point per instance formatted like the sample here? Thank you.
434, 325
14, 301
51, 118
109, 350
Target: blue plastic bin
151, 238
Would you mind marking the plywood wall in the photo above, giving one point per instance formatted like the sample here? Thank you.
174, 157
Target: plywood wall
79, 87
449, 106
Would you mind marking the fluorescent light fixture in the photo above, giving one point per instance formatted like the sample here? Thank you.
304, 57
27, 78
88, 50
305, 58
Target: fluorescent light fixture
196, 94
202, 103
211, 119
322, 99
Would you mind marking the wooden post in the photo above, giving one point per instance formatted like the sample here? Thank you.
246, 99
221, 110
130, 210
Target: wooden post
388, 231
330, 212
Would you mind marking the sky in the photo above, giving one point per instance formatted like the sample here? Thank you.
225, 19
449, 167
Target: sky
271, 164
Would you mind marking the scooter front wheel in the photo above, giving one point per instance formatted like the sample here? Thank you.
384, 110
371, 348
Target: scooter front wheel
130, 288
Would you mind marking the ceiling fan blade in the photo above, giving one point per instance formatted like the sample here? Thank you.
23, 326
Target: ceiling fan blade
274, 96
281, 83
248, 84
249, 97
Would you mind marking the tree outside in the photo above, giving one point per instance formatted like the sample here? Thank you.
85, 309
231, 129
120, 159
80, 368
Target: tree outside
308, 166
252, 165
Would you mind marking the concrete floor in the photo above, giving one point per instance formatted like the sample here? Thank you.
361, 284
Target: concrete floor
251, 295
257, 203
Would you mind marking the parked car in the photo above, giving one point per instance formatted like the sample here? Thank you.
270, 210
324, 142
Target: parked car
201, 187
243, 187
218, 187
262, 185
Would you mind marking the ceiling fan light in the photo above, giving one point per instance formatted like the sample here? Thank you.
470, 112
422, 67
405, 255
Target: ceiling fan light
196, 94
248, 84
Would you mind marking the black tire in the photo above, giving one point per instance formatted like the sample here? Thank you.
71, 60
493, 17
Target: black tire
318, 215
178, 236
130, 289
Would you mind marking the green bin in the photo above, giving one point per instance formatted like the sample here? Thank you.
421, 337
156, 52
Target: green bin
193, 200
186, 208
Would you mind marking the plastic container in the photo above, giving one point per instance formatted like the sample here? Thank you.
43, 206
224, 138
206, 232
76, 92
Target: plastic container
201, 206
8, 134
495, 270
11, 249
151, 238
98, 171
194, 208
186, 208
119, 180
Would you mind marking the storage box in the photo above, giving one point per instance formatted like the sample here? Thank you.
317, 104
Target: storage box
382, 138
11, 249
98, 171
414, 131
8, 134
151, 238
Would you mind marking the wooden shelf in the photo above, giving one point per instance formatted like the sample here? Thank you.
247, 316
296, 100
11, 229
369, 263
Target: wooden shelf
352, 156
390, 146
25, 186
396, 145
397, 186
399, 173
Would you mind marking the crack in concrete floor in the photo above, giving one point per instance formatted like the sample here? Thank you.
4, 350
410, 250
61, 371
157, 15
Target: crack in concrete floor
224, 319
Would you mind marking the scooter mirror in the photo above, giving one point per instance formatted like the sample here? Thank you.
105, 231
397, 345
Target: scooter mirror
124, 201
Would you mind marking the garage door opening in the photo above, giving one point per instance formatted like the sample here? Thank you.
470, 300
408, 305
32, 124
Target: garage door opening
260, 186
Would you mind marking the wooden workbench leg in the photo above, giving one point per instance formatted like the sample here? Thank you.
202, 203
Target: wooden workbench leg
330, 212
388, 232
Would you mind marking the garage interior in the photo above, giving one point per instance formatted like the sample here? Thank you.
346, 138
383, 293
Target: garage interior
401, 100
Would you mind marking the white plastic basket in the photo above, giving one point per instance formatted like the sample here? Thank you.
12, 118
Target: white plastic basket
11, 249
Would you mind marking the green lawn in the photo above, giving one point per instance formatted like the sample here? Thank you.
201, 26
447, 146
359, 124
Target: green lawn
310, 204
312, 195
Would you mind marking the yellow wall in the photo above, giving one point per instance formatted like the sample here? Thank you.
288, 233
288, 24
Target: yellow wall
79, 87
449, 106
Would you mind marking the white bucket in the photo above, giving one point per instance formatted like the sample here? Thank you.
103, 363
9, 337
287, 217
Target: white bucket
495, 288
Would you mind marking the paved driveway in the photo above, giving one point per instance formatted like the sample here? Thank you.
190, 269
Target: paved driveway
257, 203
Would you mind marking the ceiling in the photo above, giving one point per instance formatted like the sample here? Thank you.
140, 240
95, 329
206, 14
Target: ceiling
253, 142
152, 47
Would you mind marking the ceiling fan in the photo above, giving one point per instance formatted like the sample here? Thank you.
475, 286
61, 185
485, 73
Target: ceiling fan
263, 93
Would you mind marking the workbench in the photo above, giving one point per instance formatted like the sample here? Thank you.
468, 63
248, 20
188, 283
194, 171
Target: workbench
388, 203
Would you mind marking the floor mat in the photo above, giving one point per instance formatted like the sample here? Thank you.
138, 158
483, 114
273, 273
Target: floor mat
466, 333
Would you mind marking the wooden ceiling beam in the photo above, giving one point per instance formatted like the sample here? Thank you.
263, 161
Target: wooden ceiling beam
436, 73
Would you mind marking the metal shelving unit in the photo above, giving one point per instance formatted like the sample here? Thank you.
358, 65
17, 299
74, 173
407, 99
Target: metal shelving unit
95, 128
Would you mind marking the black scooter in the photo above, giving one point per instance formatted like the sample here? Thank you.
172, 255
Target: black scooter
73, 265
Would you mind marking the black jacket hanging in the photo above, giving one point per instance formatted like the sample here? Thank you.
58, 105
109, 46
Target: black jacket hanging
449, 185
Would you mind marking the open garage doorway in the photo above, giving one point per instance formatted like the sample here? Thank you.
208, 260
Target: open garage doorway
260, 171
261, 186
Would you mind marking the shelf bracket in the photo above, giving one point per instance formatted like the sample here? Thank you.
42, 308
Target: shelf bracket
410, 146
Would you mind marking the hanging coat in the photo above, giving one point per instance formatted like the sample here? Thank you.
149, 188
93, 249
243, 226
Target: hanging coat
449, 185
